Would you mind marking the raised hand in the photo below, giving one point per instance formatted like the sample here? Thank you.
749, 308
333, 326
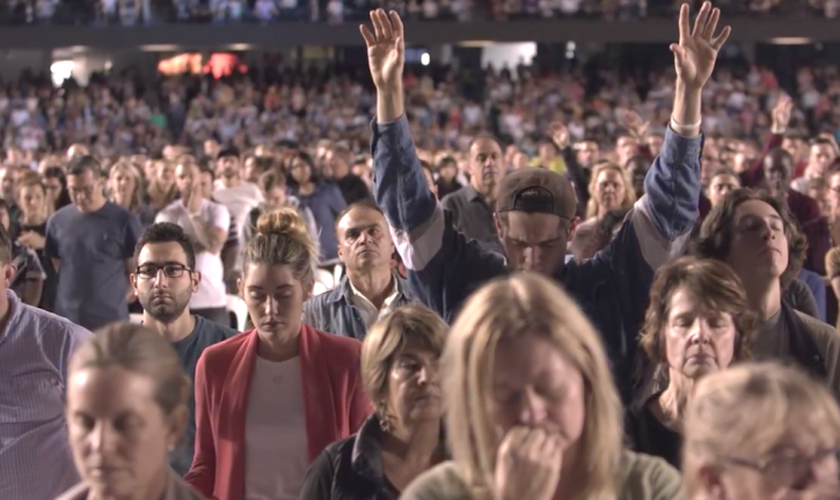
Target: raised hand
697, 50
782, 112
386, 48
559, 134
630, 120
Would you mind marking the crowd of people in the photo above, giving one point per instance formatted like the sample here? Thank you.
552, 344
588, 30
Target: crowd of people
639, 307
139, 12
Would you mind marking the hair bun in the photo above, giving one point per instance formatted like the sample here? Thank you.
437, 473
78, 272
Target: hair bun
282, 222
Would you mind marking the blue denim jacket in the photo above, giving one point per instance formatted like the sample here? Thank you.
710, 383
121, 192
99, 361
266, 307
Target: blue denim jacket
334, 312
612, 288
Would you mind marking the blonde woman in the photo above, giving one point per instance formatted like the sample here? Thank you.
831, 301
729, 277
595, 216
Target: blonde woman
761, 432
126, 408
532, 411
403, 438
125, 188
609, 188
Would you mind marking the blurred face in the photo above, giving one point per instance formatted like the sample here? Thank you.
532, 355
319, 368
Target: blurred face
211, 148
793, 146
275, 197
205, 183
588, 153
448, 171
228, 167
5, 220
834, 192
759, 248
252, 174
274, 298
364, 172
430, 181
547, 152
534, 241
801, 466
336, 164
8, 177
300, 170
77, 150
118, 432
821, 156
520, 160
32, 199
638, 168
720, 186
609, 189
186, 179
122, 182
778, 173
53, 188
413, 386
625, 147
486, 165
536, 386
697, 341
85, 190
364, 242
654, 142
166, 172
163, 281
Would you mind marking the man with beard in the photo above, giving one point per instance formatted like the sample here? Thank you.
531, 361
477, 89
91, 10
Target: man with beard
473, 206
164, 281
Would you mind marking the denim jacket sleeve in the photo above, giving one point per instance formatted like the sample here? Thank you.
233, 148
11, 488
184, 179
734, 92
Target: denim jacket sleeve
443, 266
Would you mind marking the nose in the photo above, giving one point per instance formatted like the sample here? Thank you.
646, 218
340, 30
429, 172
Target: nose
101, 438
271, 306
532, 256
699, 333
425, 376
533, 409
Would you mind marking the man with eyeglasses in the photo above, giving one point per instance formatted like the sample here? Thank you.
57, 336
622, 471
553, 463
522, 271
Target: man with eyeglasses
206, 224
165, 281
91, 243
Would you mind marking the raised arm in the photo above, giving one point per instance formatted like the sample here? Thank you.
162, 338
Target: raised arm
672, 186
443, 267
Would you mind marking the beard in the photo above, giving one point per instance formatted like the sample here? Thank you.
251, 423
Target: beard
165, 312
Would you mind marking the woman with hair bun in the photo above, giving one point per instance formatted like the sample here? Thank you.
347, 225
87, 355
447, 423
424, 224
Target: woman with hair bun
270, 400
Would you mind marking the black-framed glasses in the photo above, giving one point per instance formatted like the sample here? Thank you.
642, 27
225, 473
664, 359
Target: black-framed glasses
788, 467
171, 270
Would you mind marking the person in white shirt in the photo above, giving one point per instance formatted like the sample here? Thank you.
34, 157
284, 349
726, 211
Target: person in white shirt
232, 191
206, 223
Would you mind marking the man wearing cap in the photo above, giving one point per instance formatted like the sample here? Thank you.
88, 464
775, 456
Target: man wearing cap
535, 208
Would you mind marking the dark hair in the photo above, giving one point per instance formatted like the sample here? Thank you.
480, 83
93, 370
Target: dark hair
821, 141
447, 160
314, 176
270, 180
725, 171
427, 167
715, 236
166, 232
57, 173
709, 281
605, 226
5, 239
78, 165
367, 203
204, 168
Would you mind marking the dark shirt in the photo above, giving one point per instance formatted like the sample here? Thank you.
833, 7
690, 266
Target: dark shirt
473, 217
50, 286
353, 188
27, 268
648, 435
189, 349
801, 298
93, 249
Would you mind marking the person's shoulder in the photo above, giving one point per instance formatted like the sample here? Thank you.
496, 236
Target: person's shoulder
64, 214
341, 347
820, 330
645, 477
212, 331
224, 350
442, 482
53, 324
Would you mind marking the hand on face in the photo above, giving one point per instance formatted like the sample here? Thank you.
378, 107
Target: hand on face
528, 464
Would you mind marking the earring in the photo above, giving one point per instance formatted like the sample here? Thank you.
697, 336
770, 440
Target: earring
171, 447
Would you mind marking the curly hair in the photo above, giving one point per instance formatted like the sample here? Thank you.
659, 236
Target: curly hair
715, 239
710, 281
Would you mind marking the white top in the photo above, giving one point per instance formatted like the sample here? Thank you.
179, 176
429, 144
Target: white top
369, 313
275, 432
239, 200
211, 290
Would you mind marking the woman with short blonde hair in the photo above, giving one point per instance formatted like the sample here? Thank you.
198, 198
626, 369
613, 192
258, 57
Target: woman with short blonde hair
532, 410
761, 431
403, 438
610, 188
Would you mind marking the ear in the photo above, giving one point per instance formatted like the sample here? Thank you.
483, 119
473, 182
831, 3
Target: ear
196, 279
240, 286
711, 482
132, 278
8, 275
308, 289
573, 225
500, 228
177, 425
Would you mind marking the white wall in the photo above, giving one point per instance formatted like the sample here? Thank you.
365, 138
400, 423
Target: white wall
500, 54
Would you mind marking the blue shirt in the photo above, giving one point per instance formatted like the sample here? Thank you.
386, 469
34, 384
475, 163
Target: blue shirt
35, 458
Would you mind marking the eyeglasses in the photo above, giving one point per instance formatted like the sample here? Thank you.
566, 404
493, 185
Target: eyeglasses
789, 467
150, 271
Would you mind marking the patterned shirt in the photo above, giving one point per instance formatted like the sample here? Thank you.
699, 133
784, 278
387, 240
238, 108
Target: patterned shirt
35, 457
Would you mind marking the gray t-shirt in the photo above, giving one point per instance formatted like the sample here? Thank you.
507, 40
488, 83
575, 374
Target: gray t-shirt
92, 248
205, 334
